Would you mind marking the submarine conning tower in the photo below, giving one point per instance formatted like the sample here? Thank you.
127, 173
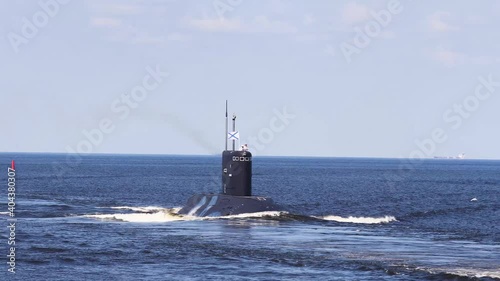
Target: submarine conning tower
236, 194
237, 172
236, 166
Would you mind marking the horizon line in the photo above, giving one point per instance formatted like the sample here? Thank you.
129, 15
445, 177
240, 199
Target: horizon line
210, 155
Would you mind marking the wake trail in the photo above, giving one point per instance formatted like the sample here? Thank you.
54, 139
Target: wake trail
155, 214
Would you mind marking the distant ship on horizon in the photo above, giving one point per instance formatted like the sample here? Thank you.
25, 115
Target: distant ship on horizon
460, 156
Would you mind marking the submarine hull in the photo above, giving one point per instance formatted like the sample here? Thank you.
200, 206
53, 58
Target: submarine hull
215, 205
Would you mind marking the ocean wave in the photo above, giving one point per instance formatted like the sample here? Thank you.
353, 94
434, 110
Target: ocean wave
462, 272
41, 202
363, 220
4, 213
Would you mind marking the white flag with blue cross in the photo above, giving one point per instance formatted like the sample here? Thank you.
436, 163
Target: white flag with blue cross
233, 135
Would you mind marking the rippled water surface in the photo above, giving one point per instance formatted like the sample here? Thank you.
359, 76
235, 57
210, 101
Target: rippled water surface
113, 217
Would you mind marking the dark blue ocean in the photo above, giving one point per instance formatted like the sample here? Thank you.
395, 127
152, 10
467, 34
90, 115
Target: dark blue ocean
113, 217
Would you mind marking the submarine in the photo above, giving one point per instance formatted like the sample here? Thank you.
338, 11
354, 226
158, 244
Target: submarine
235, 196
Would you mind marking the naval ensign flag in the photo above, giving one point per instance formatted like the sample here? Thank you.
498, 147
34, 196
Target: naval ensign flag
233, 135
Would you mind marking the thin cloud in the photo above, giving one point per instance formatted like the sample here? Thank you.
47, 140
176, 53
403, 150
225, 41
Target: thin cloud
215, 25
260, 24
117, 8
448, 58
438, 22
128, 33
134, 22
353, 13
452, 58
105, 22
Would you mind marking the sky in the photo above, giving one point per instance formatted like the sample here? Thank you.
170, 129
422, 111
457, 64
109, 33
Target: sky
404, 79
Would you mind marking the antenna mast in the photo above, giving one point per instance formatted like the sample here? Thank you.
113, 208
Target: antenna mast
226, 126
234, 129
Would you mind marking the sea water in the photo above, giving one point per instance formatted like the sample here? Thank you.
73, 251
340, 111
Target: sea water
114, 217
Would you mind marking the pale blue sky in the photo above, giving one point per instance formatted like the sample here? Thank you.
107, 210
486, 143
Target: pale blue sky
262, 56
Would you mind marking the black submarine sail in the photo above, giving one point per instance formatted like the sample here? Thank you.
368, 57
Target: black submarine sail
236, 193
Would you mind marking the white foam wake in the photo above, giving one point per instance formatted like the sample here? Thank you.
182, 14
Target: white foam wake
147, 209
157, 214
253, 215
466, 272
365, 220
145, 215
